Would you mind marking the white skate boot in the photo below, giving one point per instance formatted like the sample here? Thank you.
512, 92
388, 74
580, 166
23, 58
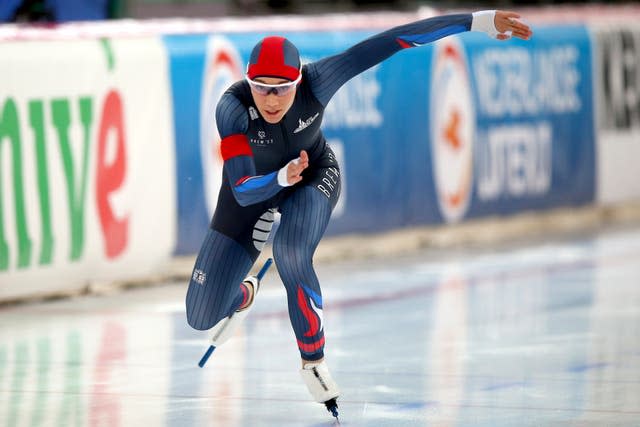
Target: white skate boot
225, 328
320, 384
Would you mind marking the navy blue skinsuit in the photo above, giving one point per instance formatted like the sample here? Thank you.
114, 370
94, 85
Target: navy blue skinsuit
254, 150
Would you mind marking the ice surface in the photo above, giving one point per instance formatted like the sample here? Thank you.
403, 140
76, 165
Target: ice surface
542, 333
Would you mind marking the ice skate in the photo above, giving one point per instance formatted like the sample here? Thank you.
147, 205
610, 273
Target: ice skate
225, 328
321, 386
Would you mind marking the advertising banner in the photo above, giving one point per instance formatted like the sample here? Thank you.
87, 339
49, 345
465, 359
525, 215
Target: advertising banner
535, 136
86, 163
617, 64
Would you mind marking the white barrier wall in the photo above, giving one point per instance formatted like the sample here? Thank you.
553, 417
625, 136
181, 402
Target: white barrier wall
617, 63
87, 188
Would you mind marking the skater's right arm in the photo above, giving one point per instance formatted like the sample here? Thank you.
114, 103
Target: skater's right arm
239, 166
327, 75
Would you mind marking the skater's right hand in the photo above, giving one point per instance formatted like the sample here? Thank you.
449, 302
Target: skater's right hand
295, 168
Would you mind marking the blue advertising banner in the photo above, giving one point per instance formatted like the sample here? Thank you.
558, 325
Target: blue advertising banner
463, 128
187, 56
535, 138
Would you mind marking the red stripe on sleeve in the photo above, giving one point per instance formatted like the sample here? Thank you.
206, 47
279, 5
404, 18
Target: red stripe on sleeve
403, 43
242, 180
235, 145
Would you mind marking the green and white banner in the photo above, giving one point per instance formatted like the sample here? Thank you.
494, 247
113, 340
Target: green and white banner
86, 163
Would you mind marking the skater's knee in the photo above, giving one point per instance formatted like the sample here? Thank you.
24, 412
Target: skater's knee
279, 252
204, 317
291, 251
198, 322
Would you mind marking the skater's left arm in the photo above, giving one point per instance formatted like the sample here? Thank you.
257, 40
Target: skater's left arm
239, 167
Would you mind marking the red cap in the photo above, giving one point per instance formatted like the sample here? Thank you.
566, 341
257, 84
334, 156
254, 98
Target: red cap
274, 56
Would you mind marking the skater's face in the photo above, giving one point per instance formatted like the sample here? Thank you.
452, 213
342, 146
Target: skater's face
273, 96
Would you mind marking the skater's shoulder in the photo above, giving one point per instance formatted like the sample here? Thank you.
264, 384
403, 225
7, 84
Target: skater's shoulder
232, 112
239, 90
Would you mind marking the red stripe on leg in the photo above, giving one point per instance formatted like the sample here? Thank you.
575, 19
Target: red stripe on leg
311, 348
308, 313
235, 145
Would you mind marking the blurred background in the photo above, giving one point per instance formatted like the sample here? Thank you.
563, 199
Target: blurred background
79, 10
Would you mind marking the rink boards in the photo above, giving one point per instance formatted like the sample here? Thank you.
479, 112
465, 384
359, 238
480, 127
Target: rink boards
109, 161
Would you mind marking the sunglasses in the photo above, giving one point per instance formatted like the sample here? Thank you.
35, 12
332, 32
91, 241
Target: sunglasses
281, 89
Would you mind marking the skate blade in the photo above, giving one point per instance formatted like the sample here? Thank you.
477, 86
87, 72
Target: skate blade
206, 356
332, 406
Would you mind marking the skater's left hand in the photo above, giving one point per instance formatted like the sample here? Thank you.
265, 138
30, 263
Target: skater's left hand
509, 23
295, 168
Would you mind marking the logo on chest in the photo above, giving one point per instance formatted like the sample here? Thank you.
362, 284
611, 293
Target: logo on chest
303, 125
261, 140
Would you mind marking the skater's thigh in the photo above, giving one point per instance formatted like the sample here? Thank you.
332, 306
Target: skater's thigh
228, 251
304, 218
306, 210
219, 268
